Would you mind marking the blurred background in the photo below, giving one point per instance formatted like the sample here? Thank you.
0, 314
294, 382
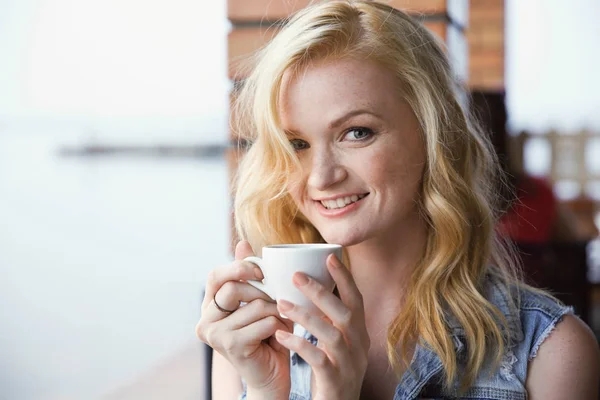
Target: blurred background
114, 175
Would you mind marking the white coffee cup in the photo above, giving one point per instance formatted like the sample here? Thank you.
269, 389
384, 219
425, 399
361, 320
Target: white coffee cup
280, 262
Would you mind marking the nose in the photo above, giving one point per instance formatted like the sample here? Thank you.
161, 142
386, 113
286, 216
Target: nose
325, 171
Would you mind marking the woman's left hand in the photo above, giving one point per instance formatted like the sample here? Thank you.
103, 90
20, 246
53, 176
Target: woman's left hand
339, 361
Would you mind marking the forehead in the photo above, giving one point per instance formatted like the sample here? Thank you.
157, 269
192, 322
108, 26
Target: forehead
328, 89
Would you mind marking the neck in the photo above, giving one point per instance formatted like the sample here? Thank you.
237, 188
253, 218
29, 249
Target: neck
382, 267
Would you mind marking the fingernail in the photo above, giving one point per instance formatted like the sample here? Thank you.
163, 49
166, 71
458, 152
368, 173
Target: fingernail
282, 335
258, 273
300, 279
284, 305
334, 262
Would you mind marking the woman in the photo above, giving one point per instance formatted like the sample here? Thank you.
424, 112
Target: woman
359, 138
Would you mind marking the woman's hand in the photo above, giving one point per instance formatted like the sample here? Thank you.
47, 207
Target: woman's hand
339, 362
244, 335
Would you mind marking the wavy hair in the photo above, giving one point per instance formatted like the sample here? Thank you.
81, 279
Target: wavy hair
458, 193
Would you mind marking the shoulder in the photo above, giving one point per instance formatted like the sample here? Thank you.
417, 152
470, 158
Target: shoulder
539, 314
532, 314
523, 305
560, 353
567, 364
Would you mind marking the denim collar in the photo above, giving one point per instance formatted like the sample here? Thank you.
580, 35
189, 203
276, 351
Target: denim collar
426, 364
498, 294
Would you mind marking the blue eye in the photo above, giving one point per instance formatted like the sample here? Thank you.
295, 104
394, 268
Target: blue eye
299, 144
357, 134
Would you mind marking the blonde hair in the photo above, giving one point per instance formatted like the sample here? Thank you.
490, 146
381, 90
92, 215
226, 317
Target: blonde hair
458, 194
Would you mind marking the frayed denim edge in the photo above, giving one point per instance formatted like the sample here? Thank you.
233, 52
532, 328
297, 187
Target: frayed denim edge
549, 329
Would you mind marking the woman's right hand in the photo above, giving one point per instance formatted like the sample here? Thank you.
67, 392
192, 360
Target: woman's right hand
245, 336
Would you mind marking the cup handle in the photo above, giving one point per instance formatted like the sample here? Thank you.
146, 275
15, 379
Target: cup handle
258, 284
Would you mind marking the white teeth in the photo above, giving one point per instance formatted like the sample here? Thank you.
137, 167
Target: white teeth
342, 201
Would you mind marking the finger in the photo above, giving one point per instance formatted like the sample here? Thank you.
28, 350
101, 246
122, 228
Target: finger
349, 293
236, 271
238, 342
243, 250
232, 293
275, 344
329, 336
324, 299
214, 322
310, 353
333, 307
250, 313
260, 330
288, 327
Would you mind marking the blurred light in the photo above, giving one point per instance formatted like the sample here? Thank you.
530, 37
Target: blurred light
551, 64
567, 189
592, 156
537, 155
592, 189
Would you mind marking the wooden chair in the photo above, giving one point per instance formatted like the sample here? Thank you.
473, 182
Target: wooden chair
207, 372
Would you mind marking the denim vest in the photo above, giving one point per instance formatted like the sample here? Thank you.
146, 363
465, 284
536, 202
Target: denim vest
533, 320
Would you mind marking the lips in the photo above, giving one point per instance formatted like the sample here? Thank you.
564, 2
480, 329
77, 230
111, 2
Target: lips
342, 201
338, 212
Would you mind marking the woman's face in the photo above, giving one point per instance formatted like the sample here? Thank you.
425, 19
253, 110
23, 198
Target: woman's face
360, 149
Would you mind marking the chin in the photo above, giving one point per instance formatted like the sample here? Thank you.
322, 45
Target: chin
344, 240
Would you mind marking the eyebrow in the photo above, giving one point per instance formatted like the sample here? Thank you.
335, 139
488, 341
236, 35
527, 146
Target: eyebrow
337, 122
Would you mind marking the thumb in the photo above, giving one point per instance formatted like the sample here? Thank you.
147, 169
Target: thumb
243, 250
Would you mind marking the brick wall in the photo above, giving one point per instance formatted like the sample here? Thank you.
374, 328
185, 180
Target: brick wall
254, 23
485, 35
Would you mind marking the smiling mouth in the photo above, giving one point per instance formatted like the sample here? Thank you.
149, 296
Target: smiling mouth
342, 201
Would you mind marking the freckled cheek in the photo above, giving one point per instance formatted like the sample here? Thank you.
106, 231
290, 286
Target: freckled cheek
395, 173
383, 170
